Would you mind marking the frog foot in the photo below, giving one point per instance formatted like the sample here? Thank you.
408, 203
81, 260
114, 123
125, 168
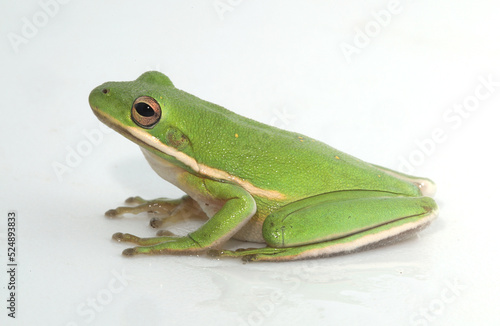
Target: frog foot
159, 245
130, 238
250, 254
137, 205
163, 209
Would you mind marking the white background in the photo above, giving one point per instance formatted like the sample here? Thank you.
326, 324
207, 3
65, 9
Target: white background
280, 62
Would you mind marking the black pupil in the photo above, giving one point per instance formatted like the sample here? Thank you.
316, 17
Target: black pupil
144, 109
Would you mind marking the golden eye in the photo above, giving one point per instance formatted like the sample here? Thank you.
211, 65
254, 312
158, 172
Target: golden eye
146, 112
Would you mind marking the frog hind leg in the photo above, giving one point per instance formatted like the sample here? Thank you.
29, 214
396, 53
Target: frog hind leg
337, 223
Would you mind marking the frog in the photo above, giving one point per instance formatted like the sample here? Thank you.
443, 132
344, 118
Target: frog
294, 197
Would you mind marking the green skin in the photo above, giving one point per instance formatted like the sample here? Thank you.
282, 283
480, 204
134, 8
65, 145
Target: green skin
254, 182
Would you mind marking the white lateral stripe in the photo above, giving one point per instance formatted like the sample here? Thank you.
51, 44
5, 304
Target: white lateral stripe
201, 168
156, 143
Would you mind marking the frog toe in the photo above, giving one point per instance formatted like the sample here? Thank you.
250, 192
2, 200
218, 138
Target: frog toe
157, 222
165, 233
215, 253
118, 236
135, 200
129, 252
112, 213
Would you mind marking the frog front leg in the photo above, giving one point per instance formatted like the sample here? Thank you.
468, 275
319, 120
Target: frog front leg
239, 206
338, 222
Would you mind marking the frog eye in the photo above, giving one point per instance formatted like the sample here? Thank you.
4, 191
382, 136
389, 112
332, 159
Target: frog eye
146, 112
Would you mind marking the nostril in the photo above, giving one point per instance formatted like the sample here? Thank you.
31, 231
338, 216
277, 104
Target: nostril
105, 91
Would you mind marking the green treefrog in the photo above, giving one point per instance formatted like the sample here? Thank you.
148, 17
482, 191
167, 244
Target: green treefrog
254, 182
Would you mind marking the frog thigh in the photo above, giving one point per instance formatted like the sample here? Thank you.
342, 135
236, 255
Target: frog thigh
342, 221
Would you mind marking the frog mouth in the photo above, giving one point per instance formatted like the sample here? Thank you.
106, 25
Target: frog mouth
114, 124
145, 140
